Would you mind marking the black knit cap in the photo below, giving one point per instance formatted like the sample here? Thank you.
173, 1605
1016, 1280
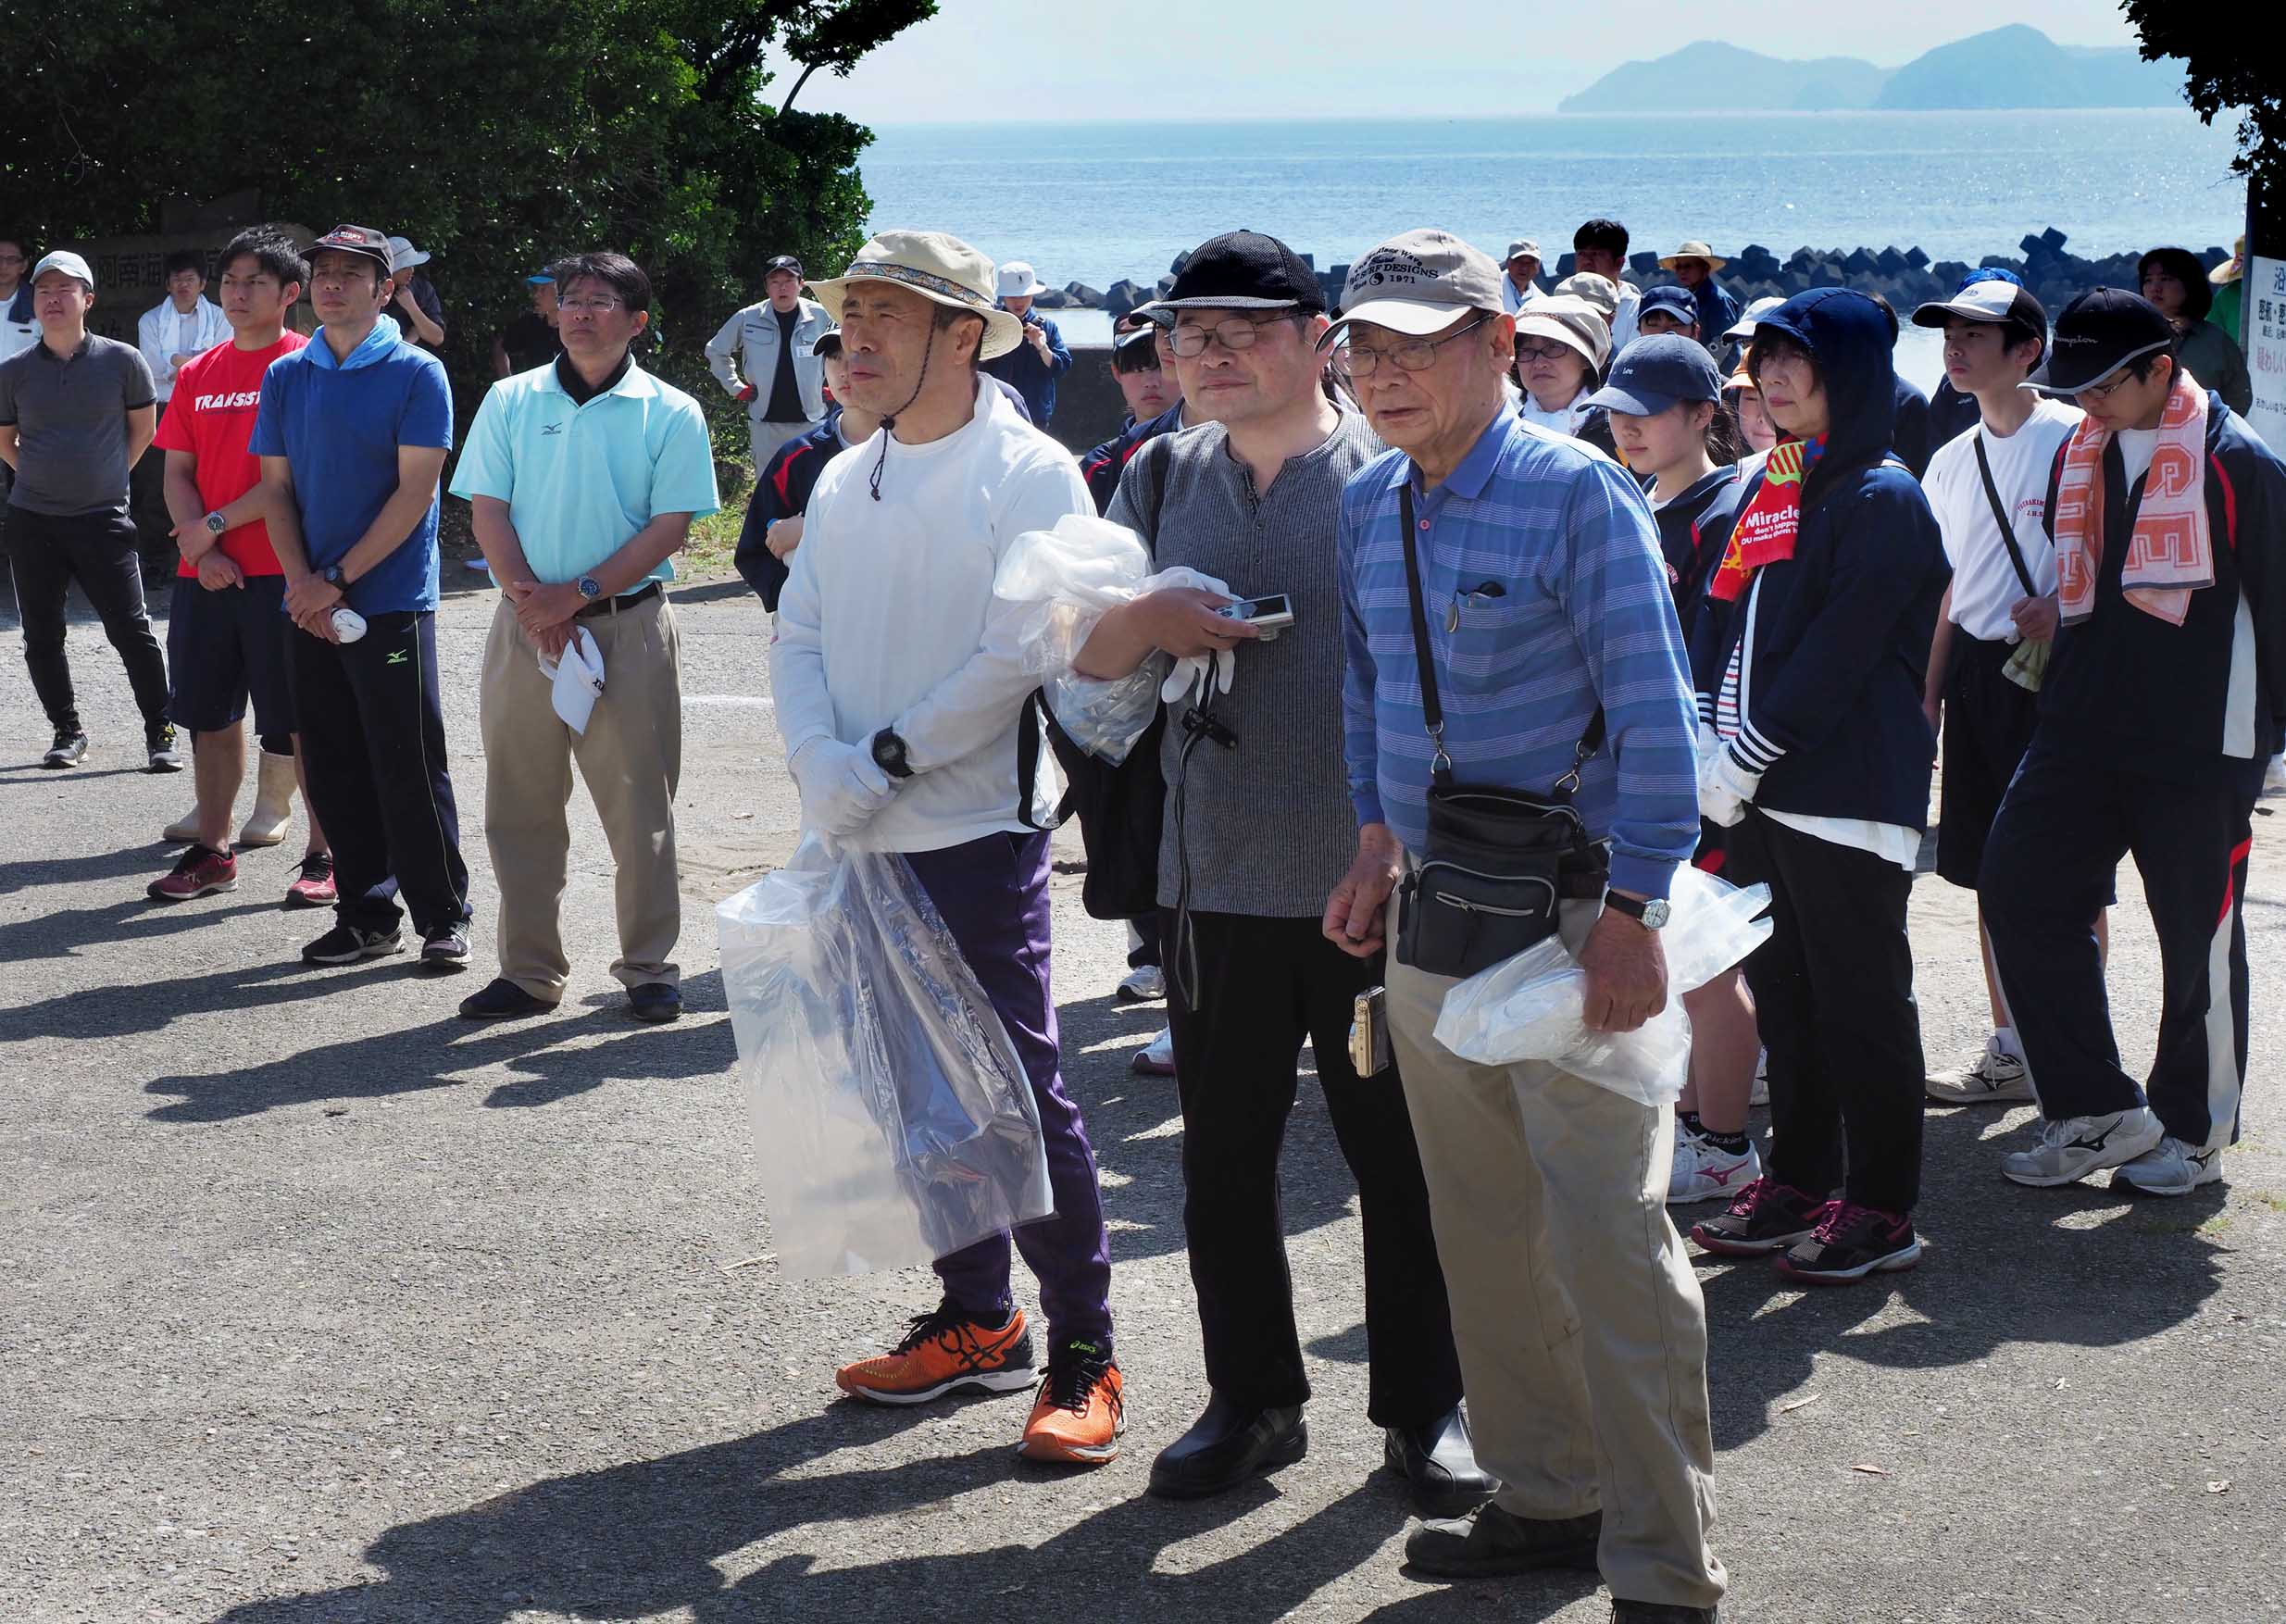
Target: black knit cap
1245, 270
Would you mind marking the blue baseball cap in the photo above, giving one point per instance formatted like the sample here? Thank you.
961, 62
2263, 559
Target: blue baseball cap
539, 279
1677, 301
1656, 372
1989, 273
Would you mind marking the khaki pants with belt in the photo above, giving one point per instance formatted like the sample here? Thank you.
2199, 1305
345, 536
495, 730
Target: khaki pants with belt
630, 756
1581, 1334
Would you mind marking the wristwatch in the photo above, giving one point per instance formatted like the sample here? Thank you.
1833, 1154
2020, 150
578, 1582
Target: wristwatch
889, 754
332, 575
590, 588
215, 523
1651, 913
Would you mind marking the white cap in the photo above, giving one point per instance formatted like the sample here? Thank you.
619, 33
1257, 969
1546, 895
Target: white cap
70, 264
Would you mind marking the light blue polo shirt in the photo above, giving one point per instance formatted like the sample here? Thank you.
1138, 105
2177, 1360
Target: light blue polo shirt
580, 481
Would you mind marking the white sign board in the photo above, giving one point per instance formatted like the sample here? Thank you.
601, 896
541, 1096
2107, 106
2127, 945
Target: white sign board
2262, 318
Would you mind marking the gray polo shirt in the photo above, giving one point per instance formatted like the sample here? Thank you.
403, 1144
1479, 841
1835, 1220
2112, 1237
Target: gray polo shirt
1270, 825
70, 418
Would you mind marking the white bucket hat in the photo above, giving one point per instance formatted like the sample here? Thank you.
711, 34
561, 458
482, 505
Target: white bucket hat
1017, 281
403, 256
940, 268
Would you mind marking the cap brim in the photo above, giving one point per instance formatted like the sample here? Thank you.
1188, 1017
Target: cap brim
1409, 317
1712, 264
1003, 330
2045, 377
1933, 314
1231, 301
1634, 403
1743, 333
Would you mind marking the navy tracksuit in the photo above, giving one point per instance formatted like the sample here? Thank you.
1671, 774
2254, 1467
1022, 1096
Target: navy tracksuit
2152, 742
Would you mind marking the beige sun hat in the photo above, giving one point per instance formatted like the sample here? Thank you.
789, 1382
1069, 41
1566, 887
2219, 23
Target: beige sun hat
2231, 269
940, 268
1600, 293
1574, 323
1693, 250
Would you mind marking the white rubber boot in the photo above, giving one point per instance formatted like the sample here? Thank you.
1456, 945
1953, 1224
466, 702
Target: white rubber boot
183, 828
273, 803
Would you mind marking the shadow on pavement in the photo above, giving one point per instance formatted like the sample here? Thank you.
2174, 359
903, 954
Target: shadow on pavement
144, 862
140, 1007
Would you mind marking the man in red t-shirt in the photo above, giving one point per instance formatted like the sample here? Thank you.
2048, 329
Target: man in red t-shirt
226, 635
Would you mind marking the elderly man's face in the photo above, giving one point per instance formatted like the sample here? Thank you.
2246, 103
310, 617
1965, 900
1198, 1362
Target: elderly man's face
1691, 273
887, 332
1523, 270
1442, 402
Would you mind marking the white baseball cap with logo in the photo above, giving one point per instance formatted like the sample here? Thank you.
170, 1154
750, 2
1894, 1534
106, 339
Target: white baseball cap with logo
1419, 283
64, 260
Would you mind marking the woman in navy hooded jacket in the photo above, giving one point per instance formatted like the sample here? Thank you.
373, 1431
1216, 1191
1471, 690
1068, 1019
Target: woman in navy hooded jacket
1816, 750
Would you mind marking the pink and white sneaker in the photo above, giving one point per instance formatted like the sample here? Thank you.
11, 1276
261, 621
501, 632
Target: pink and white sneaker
1704, 1171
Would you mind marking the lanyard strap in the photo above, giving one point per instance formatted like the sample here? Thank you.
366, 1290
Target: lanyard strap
1432, 709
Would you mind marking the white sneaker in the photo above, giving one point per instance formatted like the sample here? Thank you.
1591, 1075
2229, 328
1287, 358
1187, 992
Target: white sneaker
2274, 777
1156, 1058
1704, 1171
2174, 1168
1994, 1076
1761, 1094
1144, 984
2070, 1149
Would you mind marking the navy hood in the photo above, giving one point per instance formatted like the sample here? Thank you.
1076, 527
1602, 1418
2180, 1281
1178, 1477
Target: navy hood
1848, 335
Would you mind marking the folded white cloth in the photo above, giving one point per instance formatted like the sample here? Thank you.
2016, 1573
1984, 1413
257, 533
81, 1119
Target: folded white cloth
578, 678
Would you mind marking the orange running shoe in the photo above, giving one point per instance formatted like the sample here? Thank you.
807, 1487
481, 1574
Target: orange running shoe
1081, 1409
945, 1351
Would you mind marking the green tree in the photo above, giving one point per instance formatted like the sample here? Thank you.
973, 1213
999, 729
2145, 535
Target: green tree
2230, 62
495, 136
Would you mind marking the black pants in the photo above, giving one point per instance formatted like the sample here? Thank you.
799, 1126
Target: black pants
1146, 948
2049, 867
1834, 995
46, 554
373, 751
1264, 986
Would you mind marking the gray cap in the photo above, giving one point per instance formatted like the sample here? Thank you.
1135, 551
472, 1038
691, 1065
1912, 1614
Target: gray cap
1600, 293
70, 264
1522, 245
1572, 322
1420, 283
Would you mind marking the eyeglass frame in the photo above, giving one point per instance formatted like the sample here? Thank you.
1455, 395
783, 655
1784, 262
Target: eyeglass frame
1346, 352
1251, 325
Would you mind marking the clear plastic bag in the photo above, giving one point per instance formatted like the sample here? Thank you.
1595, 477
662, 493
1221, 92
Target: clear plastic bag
1531, 1007
892, 1120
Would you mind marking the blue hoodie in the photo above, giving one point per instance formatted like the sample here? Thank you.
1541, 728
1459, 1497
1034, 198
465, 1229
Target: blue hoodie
1841, 630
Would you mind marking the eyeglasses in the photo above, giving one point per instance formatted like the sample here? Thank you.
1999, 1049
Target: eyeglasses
2104, 392
587, 307
1548, 352
11, 259
1238, 333
1413, 356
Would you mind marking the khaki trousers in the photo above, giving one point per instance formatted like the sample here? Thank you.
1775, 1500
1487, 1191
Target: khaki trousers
630, 756
1581, 1334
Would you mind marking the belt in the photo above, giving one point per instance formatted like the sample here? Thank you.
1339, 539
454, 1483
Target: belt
613, 606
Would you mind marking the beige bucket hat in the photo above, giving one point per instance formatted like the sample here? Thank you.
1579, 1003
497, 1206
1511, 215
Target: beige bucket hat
1693, 250
940, 268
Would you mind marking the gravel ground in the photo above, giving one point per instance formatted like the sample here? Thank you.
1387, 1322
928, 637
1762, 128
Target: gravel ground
322, 1305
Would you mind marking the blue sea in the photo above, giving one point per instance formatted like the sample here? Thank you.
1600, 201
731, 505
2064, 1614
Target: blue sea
1094, 203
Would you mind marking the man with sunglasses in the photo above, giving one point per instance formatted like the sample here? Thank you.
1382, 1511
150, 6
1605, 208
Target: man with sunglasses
1522, 571
2161, 706
1249, 497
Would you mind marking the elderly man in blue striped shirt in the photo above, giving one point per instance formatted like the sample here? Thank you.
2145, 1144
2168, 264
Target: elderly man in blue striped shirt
1581, 1334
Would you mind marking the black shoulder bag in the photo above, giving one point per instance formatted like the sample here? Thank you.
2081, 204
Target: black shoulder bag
1499, 861
2028, 665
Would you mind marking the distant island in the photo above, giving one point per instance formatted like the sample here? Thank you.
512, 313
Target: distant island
2012, 67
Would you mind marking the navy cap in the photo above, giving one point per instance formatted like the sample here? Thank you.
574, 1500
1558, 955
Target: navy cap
2100, 333
1675, 300
782, 262
1654, 372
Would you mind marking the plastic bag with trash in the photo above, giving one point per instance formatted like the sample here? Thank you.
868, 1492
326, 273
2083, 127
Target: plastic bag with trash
1071, 575
892, 1120
1531, 1006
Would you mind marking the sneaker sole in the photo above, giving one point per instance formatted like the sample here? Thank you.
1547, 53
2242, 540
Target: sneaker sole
1701, 1197
988, 1383
1142, 1067
2110, 1157
444, 962
1723, 1247
165, 767
57, 766
2134, 1187
295, 902
1891, 1262
1046, 1452
381, 951
155, 894
2011, 1095
1121, 995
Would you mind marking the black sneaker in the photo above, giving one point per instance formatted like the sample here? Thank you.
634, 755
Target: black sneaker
655, 1000
349, 944
501, 999
70, 749
1659, 1613
1850, 1242
165, 747
445, 948
1768, 1216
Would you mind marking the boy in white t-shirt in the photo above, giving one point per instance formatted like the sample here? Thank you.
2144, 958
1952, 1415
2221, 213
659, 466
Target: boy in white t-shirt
2000, 605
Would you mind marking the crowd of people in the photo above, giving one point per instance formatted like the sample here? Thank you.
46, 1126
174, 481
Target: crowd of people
1580, 585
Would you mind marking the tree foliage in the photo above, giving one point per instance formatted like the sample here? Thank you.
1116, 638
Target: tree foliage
2231, 62
496, 135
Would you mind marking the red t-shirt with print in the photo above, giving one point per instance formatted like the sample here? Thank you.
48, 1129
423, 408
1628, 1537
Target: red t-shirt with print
211, 416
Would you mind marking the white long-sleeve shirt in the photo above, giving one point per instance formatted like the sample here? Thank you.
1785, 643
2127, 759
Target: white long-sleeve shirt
165, 332
888, 619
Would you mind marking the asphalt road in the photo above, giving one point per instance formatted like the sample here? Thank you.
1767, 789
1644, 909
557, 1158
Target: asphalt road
319, 1304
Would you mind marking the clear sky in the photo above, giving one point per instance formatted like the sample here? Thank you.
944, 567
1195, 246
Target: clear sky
996, 62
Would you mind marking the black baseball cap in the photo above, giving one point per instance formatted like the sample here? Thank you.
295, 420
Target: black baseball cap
363, 240
781, 262
829, 343
1242, 271
2102, 332
1136, 350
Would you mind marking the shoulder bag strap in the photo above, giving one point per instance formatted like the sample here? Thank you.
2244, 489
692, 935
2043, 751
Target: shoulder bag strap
2000, 516
1433, 710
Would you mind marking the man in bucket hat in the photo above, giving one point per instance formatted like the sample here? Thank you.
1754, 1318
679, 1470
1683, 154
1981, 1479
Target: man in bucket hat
1693, 266
904, 706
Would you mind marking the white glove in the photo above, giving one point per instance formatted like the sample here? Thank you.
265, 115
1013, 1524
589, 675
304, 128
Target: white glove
1709, 743
841, 785
1196, 671
1725, 788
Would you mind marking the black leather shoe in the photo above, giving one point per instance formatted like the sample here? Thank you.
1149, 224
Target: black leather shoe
501, 999
1226, 1446
1490, 1542
1441, 1465
1659, 1613
654, 1001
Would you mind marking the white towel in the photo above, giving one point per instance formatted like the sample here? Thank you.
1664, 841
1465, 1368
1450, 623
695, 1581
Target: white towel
577, 678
